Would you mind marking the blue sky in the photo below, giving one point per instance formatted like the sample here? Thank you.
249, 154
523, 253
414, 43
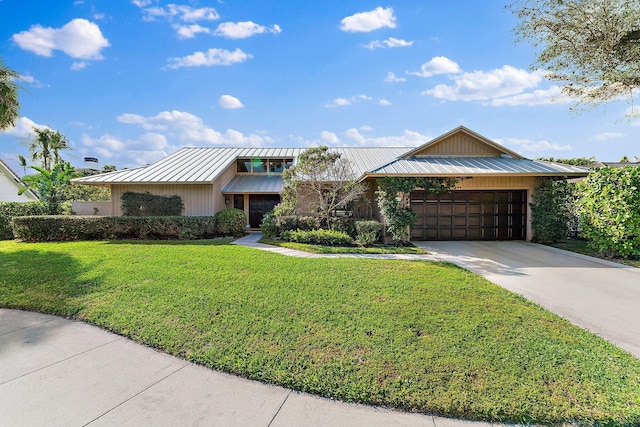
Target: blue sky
130, 81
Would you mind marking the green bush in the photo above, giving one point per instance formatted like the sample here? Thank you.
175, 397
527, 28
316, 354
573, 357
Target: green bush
553, 208
9, 210
344, 224
269, 226
147, 204
319, 237
368, 232
294, 222
610, 211
231, 222
66, 228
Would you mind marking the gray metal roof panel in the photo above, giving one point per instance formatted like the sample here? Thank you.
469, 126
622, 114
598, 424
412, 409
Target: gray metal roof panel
474, 166
266, 183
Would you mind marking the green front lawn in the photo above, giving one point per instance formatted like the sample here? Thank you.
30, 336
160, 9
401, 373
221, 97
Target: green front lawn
416, 335
320, 249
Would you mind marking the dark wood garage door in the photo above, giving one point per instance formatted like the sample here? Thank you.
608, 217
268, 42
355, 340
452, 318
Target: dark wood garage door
470, 215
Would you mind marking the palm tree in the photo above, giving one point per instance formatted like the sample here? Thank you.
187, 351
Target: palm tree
23, 163
9, 105
46, 146
49, 185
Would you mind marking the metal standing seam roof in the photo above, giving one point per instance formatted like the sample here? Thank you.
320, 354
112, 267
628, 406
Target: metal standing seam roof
204, 165
188, 165
462, 166
267, 183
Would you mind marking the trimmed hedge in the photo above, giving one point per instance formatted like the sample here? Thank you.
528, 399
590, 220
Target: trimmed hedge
9, 210
147, 204
231, 222
319, 237
65, 228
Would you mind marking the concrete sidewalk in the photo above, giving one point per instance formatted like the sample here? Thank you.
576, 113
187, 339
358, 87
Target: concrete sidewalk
58, 372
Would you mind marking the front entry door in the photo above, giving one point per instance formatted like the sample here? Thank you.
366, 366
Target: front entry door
260, 204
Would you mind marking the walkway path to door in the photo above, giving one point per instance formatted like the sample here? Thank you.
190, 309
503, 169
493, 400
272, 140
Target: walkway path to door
598, 295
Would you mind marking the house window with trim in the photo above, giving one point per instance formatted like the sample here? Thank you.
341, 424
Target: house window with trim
263, 166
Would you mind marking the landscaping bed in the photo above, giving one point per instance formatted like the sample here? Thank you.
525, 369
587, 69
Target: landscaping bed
324, 249
420, 336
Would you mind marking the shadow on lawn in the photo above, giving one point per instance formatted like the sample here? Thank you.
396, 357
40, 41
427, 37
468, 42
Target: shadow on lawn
48, 282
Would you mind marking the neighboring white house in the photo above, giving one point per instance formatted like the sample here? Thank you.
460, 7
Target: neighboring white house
10, 185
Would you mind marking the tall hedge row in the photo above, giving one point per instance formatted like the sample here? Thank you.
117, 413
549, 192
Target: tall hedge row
65, 228
610, 211
9, 210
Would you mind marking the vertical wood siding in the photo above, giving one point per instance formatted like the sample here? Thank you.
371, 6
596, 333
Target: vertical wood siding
197, 198
460, 145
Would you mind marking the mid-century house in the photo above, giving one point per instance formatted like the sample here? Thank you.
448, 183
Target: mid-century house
491, 201
10, 186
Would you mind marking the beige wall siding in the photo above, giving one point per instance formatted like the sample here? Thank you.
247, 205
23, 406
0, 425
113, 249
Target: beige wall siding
197, 198
218, 185
89, 208
461, 145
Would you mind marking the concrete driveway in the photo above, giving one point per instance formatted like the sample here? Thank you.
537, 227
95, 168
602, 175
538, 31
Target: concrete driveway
597, 295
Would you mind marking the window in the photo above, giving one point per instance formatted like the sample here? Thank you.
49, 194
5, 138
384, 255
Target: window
262, 165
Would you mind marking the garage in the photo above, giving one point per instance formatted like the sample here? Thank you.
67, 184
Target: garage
470, 215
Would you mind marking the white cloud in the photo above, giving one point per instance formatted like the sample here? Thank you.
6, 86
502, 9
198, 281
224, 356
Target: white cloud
339, 102
437, 65
243, 30
32, 81
369, 21
79, 65
210, 58
181, 12
98, 16
407, 139
342, 102
141, 3
230, 102
537, 97
78, 38
146, 149
530, 146
329, 138
391, 77
384, 102
190, 129
484, 86
391, 42
190, 31
609, 135
23, 128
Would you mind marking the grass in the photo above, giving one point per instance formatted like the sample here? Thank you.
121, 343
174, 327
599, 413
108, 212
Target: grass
415, 335
320, 249
583, 247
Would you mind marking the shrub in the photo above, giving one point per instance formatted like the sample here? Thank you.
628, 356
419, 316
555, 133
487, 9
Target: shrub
344, 224
319, 237
294, 222
610, 211
368, 232
552, 210
66, 228
147, 204
231, 222
269, 226
9, 210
